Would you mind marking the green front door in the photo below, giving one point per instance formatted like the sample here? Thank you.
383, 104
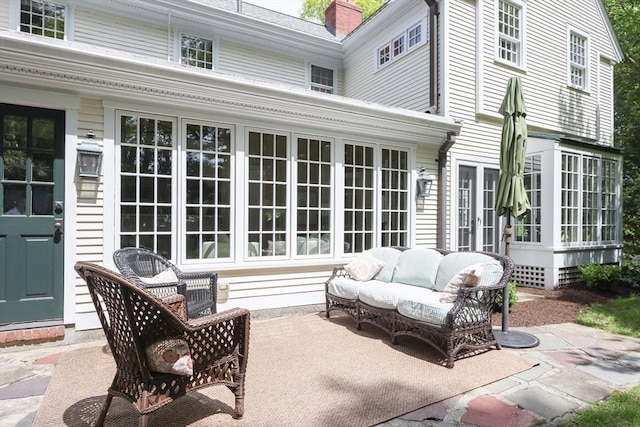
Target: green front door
32, 203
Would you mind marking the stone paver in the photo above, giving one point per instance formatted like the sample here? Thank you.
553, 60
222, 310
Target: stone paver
543, 403
576, 366
490, 412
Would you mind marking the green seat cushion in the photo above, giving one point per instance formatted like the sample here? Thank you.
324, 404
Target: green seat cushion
344, 287
386, 295
454, 262
389, 256
418, 267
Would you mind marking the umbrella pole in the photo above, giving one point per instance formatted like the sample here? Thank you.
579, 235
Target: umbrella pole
513, 339
505, 292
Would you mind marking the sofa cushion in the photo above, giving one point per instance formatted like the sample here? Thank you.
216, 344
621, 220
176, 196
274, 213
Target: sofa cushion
467, 277
347, 288
364, 267
170, 356
389, 256
418, 267
454, 262
426, 308
385, 295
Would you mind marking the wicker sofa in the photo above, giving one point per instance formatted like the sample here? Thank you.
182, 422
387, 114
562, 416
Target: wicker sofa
414, 294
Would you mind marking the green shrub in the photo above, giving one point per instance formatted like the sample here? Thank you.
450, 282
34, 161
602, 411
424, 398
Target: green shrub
599, 277
630, 274
513, 297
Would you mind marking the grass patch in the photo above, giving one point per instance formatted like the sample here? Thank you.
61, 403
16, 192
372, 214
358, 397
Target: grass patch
619, 409
619, 316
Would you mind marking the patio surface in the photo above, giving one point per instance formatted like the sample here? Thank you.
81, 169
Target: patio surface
577, 366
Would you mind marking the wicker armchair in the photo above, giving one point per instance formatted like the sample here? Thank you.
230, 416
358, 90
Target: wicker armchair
200, 288
133, 318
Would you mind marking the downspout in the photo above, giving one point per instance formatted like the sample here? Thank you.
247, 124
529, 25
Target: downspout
443, 151
441, 237
434, 13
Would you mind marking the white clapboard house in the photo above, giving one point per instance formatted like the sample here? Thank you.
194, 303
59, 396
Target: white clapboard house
233, 138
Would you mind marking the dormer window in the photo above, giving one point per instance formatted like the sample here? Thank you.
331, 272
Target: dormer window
43, 18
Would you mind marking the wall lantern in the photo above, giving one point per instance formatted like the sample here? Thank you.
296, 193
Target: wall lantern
89, 157
424, 183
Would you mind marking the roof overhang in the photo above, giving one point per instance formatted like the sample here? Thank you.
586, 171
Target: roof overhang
87, 71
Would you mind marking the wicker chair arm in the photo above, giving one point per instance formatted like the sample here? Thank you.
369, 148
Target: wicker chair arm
215, 318
337, 272
480, 300
178, 305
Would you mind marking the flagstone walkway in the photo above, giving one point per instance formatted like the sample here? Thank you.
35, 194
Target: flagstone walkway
576, 366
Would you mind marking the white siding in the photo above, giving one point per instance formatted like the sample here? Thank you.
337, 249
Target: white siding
551, 104
403, 83
4, 16
427, 207
122, 34
90, 222
245, 60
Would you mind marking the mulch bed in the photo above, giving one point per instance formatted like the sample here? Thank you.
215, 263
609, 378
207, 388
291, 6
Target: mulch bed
557, 306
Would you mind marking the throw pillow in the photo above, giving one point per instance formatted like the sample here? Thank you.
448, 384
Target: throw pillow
364, 267
166, 276
468, 276
170, 356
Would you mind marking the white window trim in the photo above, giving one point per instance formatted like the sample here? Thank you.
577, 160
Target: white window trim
587, 79
69, 18
307, 75
389, 43
522, 65
177, 47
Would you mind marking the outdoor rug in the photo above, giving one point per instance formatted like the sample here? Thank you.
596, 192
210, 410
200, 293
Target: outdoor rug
302, 371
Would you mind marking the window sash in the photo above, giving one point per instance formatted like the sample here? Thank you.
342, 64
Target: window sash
43, 18
578, 60
509, 27
322, 79
528, 227
196, 51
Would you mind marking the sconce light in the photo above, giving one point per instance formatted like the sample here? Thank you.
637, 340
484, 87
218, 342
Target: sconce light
89, 157
424, 183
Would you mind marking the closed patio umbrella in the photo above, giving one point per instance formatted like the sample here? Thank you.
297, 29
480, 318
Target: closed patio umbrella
511, 197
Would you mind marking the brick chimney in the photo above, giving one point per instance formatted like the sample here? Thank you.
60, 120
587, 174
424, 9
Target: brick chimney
342, 17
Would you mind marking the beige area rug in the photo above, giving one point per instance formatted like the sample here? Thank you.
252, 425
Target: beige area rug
302, 371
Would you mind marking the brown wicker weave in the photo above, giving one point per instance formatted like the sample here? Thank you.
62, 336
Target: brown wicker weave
200, 288
132, 318
464, 330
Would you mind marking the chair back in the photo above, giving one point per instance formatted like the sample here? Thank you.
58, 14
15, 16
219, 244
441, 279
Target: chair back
131, 318
134, 263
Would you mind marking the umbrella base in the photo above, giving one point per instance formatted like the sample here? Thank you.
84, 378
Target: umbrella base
515, 339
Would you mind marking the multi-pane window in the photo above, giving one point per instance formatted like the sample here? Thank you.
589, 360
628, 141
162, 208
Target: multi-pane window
267, 194
609, 201
466, 208
208, 193
588, 211
590, 166
400, 45
146, 183
415, 35
196, 51
528, 226
570, 199
321, 79
384, 55
358, 198
314, 197
578, 60
509, 32
395, 198
44, 18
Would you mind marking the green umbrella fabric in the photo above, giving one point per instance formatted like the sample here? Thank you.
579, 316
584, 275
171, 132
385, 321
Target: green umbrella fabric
511, 198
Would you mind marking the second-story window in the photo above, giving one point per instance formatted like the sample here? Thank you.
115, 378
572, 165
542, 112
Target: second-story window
196, 51
43, 18
509, 32
322, 79
578, 60
403, 44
